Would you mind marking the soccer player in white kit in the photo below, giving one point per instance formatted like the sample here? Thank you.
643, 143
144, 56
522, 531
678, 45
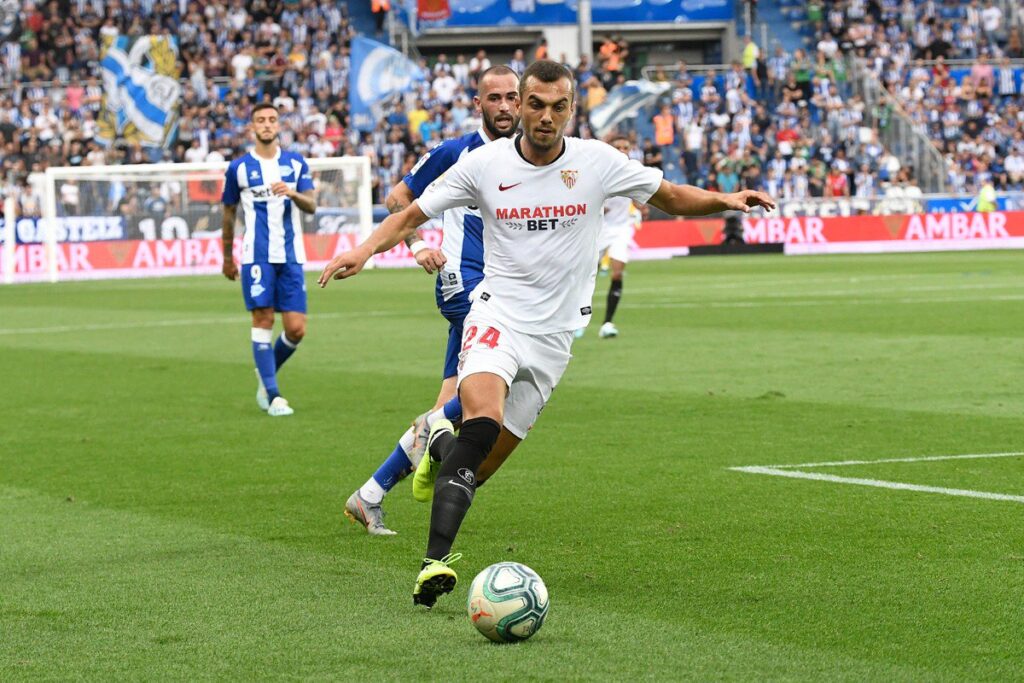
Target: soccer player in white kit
616, 236
540, 196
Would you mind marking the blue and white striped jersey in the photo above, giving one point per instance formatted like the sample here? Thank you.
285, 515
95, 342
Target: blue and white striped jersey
463, 243
273, 225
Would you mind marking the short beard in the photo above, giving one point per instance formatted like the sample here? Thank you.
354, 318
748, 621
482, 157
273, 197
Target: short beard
491, 127
265, 142
545, 146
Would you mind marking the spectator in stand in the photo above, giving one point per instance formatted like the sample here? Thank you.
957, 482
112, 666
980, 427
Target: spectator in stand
982, 75
380, 9
751, 53
542, 51
992, 22
518, 62
836, 184
479, 64
612, 54
664, 127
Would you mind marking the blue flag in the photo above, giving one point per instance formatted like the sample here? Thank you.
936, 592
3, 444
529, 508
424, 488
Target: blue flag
141, 94
622, 103
378, 72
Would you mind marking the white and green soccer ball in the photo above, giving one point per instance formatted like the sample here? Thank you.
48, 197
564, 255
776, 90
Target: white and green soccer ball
508, 602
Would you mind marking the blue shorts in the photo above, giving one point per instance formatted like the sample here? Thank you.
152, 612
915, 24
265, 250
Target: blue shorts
455, 313
281, 286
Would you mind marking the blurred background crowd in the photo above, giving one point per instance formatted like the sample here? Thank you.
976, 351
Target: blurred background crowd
790, 122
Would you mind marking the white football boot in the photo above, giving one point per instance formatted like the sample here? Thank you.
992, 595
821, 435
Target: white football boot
607, 331
279, 407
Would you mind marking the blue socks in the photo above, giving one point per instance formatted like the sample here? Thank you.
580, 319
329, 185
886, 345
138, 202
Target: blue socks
394, 469
283, 350
263, 354
452, 409
398, 465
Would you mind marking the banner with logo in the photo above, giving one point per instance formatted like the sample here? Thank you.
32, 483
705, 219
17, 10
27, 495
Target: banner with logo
201, 255
853, 234
541, 12
141, 93
378, 72
153, 258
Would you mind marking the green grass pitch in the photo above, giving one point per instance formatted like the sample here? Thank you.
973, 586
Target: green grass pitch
155, 525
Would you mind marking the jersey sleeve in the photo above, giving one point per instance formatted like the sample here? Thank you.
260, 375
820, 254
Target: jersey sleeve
430, 167
305, 181
625, 177
457, 187
230, 195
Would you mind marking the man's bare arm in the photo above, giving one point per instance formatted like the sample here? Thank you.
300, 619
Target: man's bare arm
306, 201
427, 258
397, 200
688, 200
227, 239
390, 232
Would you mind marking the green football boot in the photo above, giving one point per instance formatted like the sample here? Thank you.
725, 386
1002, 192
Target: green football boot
435, 579
426, 472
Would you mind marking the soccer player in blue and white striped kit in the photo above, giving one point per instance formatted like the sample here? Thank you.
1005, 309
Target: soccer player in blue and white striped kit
273, 187
459, 272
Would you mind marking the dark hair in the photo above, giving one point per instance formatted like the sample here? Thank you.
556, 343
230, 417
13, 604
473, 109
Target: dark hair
547, 71
261, 106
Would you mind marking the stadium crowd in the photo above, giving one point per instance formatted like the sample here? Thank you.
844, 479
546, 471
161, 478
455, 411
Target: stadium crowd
785, 123
976, 119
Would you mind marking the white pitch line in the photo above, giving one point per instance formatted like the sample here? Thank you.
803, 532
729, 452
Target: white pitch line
927, 458
878, 483
54, 329
860, 279
822, 302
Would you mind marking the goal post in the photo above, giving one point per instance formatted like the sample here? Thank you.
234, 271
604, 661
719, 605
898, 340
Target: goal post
165, 219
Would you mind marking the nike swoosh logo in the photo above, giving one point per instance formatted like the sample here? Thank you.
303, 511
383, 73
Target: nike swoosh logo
502, 188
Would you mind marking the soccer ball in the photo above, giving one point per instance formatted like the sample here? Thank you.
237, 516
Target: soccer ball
508, 602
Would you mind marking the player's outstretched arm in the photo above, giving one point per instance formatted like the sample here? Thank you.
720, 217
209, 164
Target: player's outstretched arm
393, 230
429, 259
687, 200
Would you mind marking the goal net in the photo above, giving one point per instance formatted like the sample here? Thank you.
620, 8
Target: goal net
162, 219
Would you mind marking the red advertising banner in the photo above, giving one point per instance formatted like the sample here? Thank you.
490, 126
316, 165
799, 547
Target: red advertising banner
657, 239
853, 234
147, 258
433, 10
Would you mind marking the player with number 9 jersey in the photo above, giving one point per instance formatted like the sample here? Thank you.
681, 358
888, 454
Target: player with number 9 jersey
274, 188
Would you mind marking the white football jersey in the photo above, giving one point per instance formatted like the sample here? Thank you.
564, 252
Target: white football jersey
618, 218
541, 225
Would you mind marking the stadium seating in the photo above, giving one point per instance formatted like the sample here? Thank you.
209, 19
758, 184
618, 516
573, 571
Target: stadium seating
233, 54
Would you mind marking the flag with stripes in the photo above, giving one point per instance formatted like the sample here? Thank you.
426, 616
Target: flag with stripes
622, 103
141, 94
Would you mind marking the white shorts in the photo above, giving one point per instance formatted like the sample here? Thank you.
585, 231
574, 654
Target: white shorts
616, 240
530, 364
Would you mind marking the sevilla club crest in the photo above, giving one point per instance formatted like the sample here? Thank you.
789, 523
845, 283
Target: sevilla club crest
569, 178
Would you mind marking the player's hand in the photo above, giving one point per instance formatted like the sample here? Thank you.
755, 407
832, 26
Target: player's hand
230, 269
748, 199
344, 265
430, 260
281, 189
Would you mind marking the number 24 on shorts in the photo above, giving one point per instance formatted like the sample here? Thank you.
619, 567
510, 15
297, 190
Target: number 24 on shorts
489, 338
